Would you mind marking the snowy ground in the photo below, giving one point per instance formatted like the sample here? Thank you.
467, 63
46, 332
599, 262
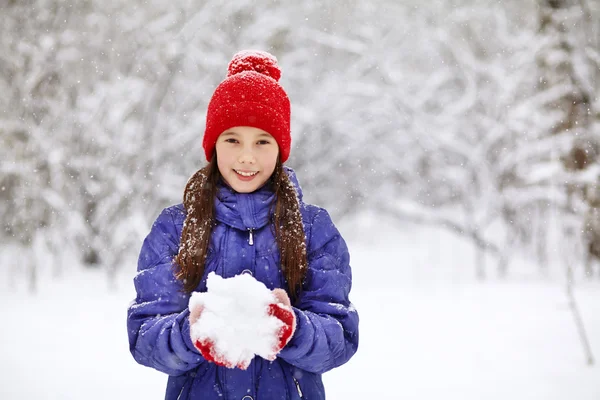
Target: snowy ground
428, 331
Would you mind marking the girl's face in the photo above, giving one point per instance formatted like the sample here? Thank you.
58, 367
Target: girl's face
246, 157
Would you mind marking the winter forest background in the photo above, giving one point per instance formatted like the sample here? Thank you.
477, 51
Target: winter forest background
477, 117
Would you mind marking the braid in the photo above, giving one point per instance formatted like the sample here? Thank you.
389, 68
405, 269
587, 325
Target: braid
198, 200
289, 232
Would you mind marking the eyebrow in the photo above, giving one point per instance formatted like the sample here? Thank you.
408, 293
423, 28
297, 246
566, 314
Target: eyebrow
234, 133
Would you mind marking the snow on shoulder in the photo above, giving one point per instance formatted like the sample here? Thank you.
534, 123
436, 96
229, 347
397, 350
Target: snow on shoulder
235, 324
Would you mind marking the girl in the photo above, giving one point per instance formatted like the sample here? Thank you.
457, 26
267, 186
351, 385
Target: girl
243, 213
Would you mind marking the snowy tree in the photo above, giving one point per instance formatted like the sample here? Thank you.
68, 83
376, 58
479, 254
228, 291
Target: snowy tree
38, 98
480, 117
568, 87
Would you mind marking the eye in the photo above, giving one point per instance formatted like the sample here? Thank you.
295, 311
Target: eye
231, 140
264, 142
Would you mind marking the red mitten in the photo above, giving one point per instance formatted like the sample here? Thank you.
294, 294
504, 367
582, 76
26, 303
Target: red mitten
239, 318
286, 315
207, 349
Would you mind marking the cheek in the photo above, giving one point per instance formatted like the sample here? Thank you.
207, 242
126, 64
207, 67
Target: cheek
221, 166
270, 163
223, 162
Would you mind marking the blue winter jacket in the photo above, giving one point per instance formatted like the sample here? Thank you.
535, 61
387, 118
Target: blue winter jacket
326, 335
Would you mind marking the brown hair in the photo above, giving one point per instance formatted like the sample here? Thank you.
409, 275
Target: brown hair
286, 220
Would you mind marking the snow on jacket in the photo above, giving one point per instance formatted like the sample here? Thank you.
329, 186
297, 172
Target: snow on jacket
327, 323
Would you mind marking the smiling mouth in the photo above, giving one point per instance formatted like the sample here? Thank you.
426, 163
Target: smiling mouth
245, 173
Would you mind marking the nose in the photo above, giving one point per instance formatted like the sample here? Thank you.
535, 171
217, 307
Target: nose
246, 157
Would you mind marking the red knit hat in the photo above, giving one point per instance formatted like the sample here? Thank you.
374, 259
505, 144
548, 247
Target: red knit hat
250, 95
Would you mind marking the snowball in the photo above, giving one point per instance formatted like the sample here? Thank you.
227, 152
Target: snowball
235, 318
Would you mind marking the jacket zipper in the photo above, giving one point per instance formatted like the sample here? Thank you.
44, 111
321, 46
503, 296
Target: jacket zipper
188, 380
250, 237
221, 371
298, 387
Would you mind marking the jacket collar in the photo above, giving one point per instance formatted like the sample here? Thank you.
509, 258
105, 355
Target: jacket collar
246, 211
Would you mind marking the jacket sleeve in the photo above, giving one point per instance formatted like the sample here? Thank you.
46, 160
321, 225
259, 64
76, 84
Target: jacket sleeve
326, 334
157, 320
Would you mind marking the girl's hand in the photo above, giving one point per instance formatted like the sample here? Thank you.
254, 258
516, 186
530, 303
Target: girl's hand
282, 297
195, 314
284, 312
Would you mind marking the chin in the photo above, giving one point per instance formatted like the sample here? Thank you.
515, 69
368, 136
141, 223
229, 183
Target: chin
244, 189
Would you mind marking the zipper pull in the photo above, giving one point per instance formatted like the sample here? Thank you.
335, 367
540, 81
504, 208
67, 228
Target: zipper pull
250, 237
298, 387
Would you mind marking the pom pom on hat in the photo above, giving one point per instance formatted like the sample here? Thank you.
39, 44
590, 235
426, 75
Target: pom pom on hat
250, 95
254, 60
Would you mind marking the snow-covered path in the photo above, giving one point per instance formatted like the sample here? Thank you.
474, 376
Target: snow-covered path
420, 339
